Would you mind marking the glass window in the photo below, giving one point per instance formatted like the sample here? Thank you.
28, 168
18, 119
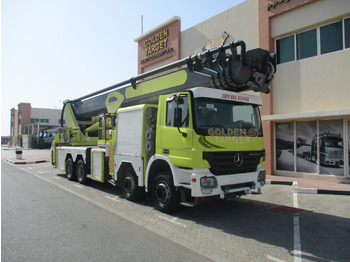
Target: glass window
178, 105
348, 159
305, 146
285, 146
307, 44
331, 152
285, 49
331, 37
215, 117
347, 32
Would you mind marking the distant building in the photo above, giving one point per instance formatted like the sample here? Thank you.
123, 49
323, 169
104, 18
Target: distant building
5, 140
26, 120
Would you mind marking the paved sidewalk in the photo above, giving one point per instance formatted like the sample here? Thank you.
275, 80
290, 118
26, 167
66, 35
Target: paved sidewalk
29, 159
318, 185
28, 156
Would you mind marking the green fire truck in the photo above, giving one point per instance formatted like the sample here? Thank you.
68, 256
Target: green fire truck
177, 134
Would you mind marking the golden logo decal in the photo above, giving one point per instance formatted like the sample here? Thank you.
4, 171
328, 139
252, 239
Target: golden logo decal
216, 42
252, 132
275, 3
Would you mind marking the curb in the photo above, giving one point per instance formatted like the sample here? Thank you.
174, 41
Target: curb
15, 162
301, 190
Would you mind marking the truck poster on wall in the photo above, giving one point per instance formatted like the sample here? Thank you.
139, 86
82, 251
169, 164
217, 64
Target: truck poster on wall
319, 152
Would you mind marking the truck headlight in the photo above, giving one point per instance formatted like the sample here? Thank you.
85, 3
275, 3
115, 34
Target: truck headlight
208, 182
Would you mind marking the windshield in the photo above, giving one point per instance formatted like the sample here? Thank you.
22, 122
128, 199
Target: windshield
226, 118
334, 142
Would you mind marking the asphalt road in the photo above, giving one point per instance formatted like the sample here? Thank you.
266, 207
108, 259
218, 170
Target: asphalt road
41, 222
44, 214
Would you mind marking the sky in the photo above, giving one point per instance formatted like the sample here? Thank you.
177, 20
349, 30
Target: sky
57, 50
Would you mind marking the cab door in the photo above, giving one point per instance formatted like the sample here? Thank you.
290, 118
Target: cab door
176, 131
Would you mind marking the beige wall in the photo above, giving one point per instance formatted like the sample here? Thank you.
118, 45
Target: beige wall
311, 15
240, 22
319, 83
46, 113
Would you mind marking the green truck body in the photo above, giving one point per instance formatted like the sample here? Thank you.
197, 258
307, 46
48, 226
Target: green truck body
183, 136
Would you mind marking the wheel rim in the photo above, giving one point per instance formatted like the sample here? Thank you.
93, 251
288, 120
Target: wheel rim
163, 193
129, 184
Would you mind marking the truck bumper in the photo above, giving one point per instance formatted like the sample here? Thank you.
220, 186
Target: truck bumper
204, 183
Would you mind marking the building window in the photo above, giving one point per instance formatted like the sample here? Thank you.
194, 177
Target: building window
316, 147
306, 146
331, 37
347, 32
36, 120
307, 44
285, 146
317, 41
285, 49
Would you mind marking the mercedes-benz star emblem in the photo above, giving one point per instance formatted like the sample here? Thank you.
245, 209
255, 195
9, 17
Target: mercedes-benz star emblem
238, 160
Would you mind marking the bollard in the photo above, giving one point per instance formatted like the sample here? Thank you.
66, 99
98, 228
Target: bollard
18, 153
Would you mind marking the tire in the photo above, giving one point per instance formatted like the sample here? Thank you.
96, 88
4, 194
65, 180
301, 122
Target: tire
129, 186
70, 169
165, 198
81, 172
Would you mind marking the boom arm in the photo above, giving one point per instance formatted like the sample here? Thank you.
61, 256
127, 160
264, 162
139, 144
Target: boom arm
221, 68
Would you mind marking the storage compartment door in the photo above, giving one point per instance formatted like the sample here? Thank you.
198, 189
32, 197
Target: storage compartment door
97, 169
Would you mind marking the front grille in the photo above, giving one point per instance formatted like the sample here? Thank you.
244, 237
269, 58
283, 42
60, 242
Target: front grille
223, 163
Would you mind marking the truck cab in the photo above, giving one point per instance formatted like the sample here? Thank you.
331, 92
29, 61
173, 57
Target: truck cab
209, 143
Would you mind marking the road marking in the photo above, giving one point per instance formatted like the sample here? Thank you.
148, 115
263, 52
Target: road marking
80, 186
114, 199
274, 259
41, 172
296, 229
173, 220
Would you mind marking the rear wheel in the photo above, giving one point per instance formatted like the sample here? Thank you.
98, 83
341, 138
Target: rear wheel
81, 173
70, 169
129, 186
165, 198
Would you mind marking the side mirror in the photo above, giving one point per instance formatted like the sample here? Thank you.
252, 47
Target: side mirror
177, 117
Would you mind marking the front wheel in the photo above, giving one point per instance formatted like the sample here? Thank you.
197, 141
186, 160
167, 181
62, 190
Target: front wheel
129, 186
165, 198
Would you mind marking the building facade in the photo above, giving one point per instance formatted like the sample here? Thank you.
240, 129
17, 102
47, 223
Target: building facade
306, 117
26, 120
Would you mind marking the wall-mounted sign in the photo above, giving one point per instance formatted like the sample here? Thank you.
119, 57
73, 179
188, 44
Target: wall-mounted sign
216, 42
155, 43
160, 45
